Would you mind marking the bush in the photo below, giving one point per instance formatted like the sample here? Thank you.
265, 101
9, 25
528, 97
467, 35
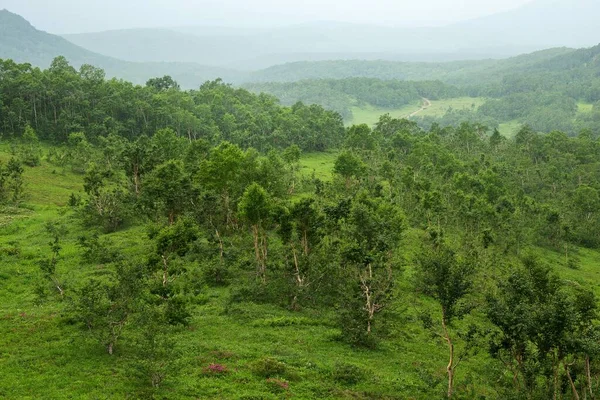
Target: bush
268, 367
97, 250
277, 385
348, 374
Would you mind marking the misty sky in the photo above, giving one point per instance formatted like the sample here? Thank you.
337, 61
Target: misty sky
74, 16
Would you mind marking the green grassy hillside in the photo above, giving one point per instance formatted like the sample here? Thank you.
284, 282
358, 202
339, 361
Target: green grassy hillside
227, 347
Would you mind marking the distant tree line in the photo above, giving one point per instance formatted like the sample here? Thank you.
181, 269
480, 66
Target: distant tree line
61, 100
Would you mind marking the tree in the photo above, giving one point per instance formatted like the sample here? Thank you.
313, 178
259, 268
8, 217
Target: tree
371, 235
255, 209
30, 150
48, 265
448, 280
541, 327
105, 207
106, 307
162, 84
169, 189
349, 166
12, 184
172, 242
291, 156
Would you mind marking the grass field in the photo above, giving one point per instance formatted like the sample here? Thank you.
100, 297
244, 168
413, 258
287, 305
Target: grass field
509, 129
440, 107
321, 164
370, 115
584, 107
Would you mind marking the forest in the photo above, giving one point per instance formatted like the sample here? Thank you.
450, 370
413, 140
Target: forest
211, 243
341, 94
541, 89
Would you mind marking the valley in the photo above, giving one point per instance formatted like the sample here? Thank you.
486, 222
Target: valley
317, 210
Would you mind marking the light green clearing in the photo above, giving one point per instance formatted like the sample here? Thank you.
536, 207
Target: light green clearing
319, 163
369, 114
509, 129
584, 107
439, 108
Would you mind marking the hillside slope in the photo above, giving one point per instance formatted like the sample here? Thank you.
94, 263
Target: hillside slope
21, 42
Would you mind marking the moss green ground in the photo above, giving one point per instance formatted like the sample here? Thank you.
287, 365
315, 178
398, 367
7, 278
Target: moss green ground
42, 356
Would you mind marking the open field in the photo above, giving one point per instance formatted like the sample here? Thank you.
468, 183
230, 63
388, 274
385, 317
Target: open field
509, 129
321, 164
370, 115
440, 107
584, 107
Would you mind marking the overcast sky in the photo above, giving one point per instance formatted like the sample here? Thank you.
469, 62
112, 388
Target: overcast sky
73, 16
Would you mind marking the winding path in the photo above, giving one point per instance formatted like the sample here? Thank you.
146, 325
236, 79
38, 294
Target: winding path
426, 104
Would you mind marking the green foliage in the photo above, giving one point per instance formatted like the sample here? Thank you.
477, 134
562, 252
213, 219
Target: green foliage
97, 250
30, 150
255, 205
348, 374
341, 94
12, 184
268, 368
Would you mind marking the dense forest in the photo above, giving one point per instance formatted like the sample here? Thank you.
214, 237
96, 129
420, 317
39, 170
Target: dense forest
342, 94
173, 244
61, 100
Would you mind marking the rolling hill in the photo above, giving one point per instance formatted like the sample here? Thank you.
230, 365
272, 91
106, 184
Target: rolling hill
537, 25
21, 42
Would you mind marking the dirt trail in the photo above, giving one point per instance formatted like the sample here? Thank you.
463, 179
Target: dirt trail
426, 104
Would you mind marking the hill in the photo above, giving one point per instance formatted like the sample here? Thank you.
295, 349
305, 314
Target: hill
535, 26
159, 243
457, 72
21, 42
342, 95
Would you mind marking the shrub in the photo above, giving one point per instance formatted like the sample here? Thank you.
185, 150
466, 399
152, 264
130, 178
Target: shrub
268, 367
215, 369
277, 385
348, 374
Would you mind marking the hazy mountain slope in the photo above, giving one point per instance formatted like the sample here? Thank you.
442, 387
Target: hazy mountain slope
458, 72
537, 25
21, 42
157, 45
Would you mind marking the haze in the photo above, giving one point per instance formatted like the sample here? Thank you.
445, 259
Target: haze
74, 16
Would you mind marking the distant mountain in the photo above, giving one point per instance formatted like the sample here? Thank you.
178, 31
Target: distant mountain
458, 72
21, 42
537, 25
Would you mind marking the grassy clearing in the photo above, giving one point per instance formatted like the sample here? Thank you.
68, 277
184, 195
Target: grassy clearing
321, 164
369, 114
509, 129
584, 107
440, 107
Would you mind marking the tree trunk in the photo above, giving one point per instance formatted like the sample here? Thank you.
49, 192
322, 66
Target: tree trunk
450, 367
221, 251
165, 271
136, 179
259, 251
588, 375
573, 388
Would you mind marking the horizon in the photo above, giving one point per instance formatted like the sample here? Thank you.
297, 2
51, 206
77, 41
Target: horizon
70, 17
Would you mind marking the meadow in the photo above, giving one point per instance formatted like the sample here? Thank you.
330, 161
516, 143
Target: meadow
230, 350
